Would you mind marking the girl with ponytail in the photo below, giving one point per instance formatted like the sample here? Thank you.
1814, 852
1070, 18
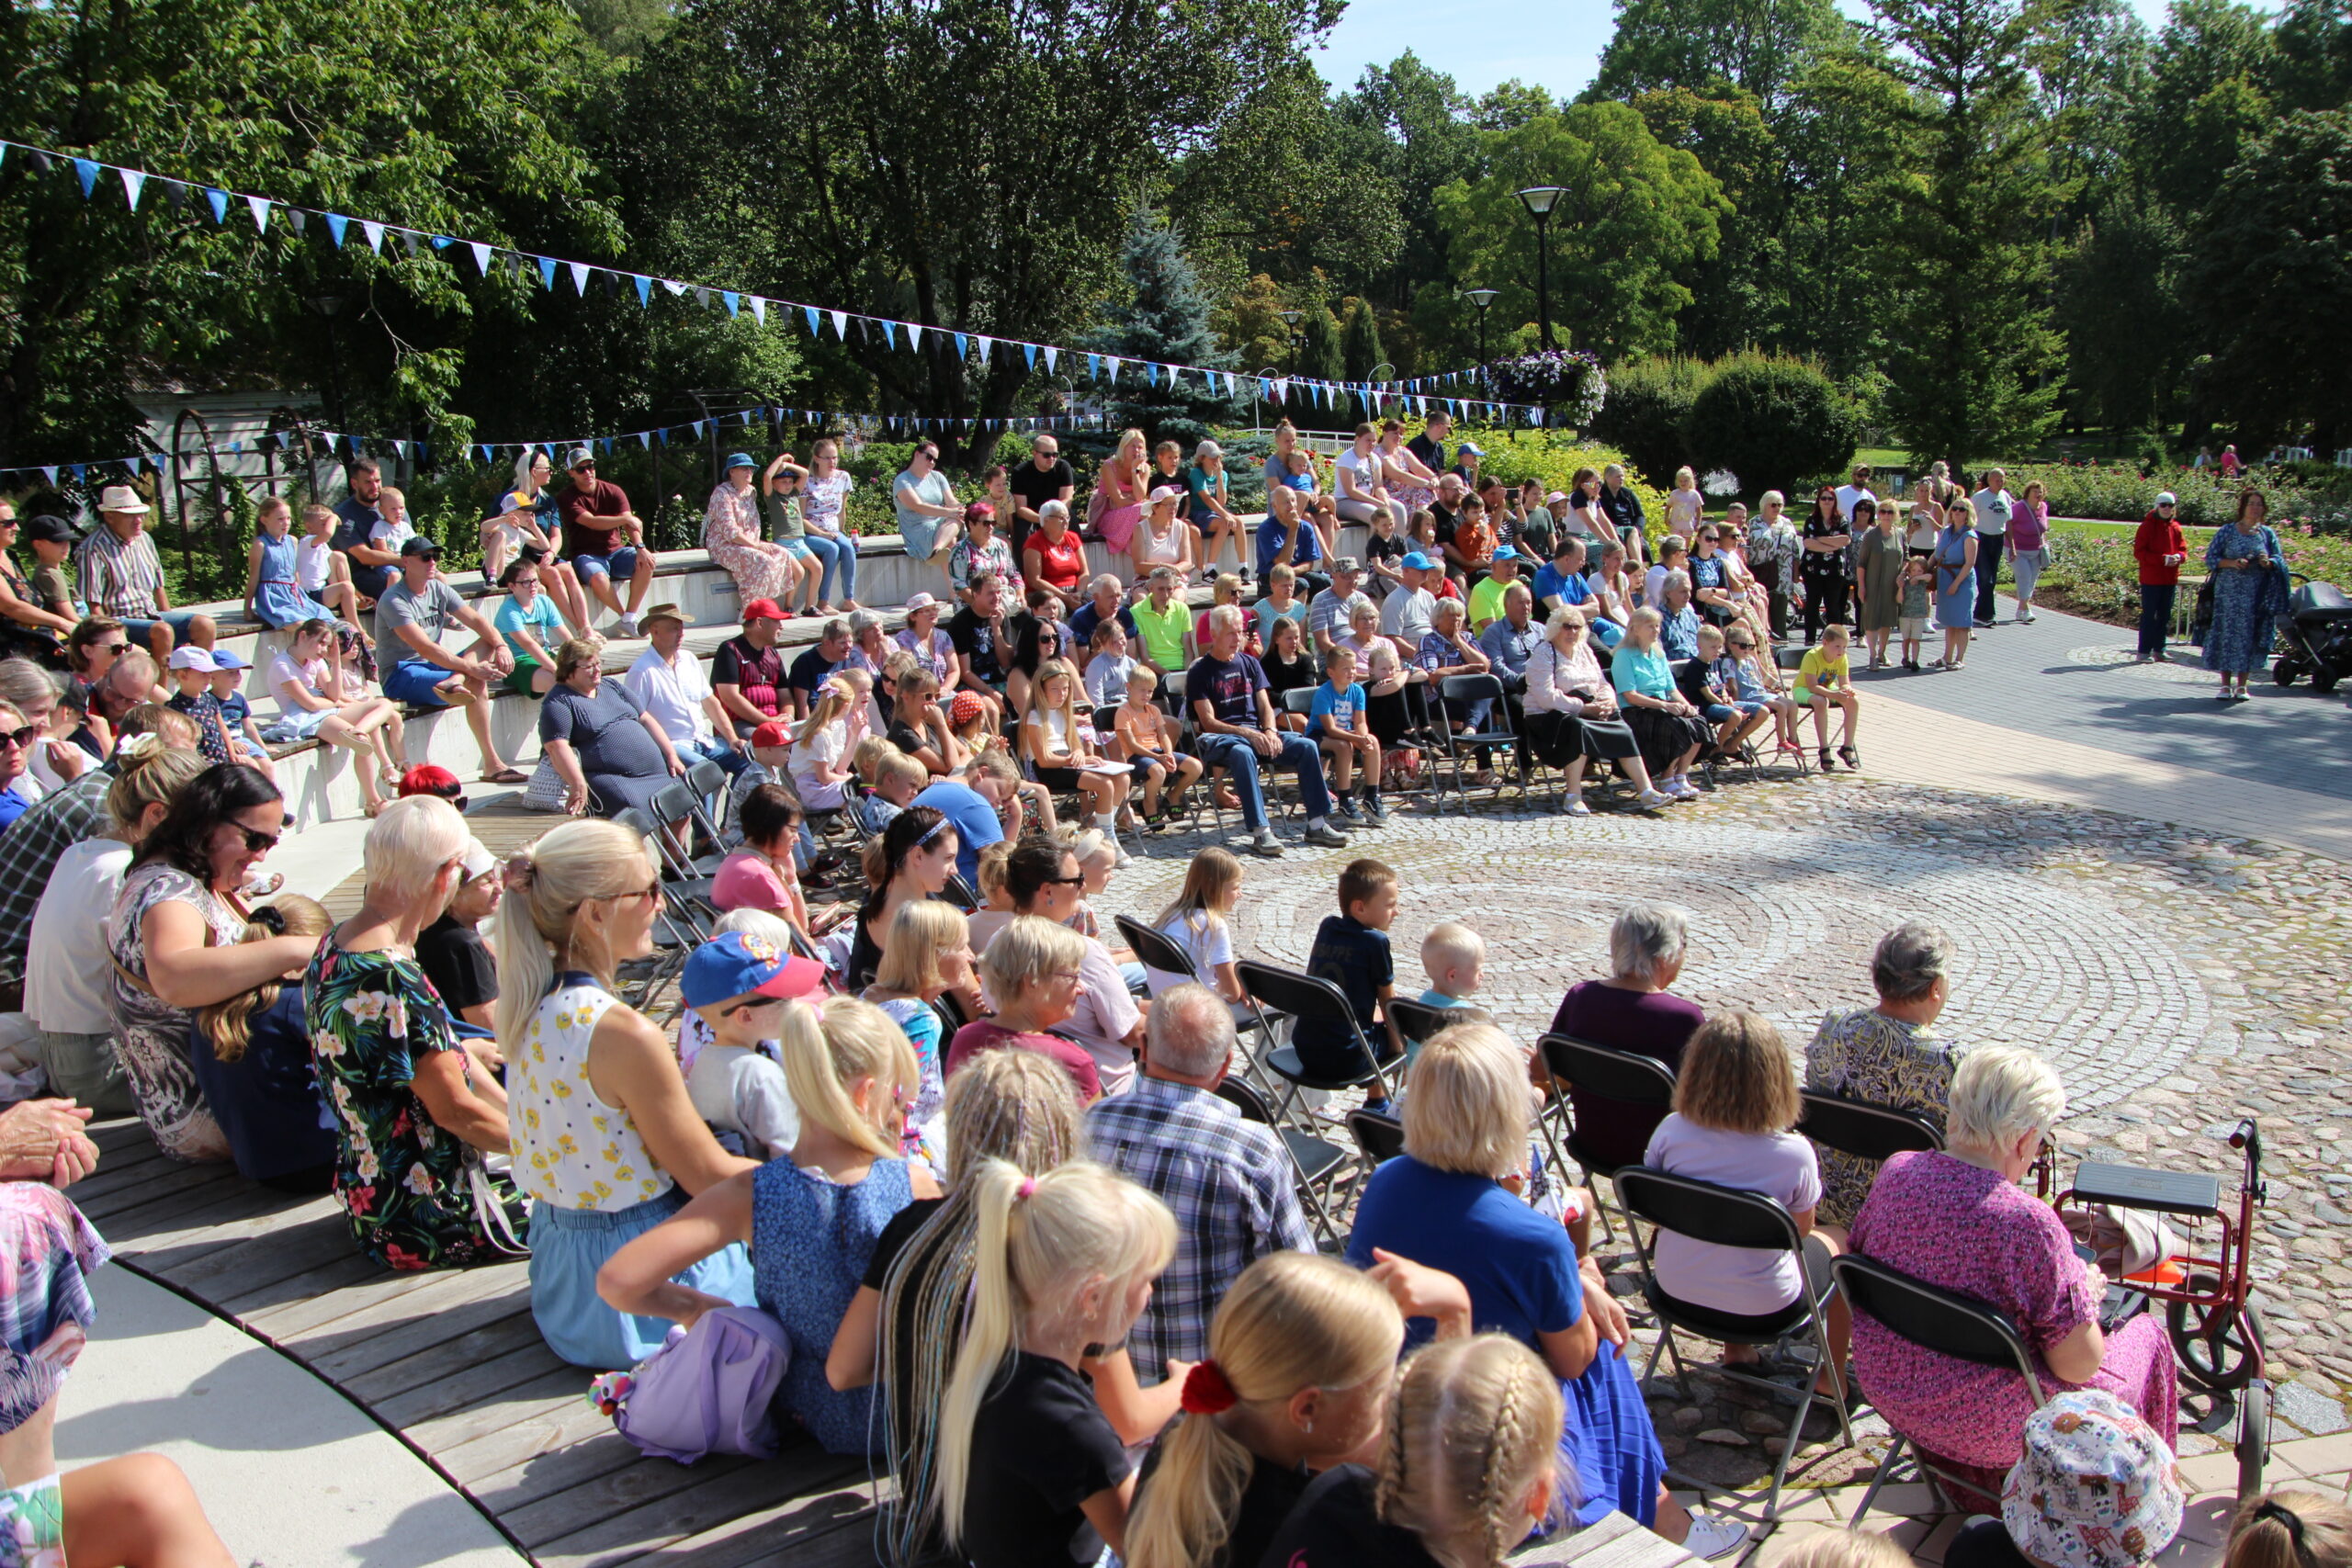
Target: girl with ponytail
1030, 1469
1468, 1468
606, 1140
811, 1218
2290, 1529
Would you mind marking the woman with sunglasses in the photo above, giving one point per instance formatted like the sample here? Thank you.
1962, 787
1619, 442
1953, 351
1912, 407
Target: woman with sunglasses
908, 862
607, 1141
1822, 566
177, 940
19, 789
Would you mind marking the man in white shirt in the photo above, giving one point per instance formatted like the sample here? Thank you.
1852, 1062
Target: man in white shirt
1993, 504
1851, 492
669, 683
1408, 613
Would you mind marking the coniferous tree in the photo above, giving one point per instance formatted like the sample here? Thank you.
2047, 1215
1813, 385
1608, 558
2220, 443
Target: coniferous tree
1164, 323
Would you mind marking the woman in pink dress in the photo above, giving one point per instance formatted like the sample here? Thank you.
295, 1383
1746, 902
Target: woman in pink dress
731, 531
1119, 493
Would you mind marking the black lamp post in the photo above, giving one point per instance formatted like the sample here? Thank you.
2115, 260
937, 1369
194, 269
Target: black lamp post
1539, 201
1289, 323
1484, 299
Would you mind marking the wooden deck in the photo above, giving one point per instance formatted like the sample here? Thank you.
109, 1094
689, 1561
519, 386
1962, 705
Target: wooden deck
452, 1363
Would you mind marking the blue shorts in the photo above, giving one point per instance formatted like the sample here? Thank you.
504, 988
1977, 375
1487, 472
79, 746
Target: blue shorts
417, 680
622, 562
1718, 713
1750, 709
569, 1246
1143, 766
798, 548
140, 631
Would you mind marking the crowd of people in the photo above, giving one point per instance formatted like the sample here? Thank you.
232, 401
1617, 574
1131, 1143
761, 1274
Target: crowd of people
962, 1145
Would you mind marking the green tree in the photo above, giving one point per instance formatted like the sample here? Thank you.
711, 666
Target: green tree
1164, 321
2205, 98
1758, 46
1319, 345
1359, 353
1411, 126
2118, 303
1736, 294
2310, 66
1634, 212
1974, 359
1773, 422
2274, 253
1647, 415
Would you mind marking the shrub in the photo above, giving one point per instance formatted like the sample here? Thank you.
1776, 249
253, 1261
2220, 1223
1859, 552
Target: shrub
1771, 420
1552, 458
2119, 493
1648, 411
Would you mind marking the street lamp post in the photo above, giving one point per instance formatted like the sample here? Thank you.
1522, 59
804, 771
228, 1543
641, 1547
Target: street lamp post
1289, 323
1263, 374
1484, 299
1539, 201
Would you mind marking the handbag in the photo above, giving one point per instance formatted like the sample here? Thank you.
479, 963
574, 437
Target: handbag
707, 1391
546, 792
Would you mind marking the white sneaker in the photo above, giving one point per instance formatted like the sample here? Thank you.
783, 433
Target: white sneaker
1652, 799
1682, 789
1712, 1538
1123, 860
1576, 807
627, 628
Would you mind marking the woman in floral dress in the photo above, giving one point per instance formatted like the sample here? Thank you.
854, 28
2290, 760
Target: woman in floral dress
1887, 1055
414, 1114
2249, 591
731, 531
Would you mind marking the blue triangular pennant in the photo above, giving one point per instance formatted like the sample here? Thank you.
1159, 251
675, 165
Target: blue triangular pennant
86, 170
336, 225
890, 333
547, 273
1094, 368
733, 300
1029, 352
644, 290
219, 200
810, 312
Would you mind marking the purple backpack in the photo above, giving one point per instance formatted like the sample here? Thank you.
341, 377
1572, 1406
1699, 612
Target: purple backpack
707, 1390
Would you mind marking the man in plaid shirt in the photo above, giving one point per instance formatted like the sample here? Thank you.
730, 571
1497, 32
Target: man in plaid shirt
1228, 1182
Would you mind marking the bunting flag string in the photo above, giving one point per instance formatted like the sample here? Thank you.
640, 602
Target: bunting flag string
1277, 389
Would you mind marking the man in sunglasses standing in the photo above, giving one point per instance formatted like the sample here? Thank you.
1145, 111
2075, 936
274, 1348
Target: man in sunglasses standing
604, 539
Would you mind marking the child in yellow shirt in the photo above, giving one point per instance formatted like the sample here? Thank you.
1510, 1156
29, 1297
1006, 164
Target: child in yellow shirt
1823, 680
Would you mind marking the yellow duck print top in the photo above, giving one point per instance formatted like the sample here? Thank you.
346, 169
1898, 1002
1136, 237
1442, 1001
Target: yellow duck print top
572, 1149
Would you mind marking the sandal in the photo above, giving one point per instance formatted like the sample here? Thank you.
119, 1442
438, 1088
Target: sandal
1852, 757
1826, 765
506, 776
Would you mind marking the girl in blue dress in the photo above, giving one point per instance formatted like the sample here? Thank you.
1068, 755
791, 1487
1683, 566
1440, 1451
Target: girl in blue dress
274, 595
2249, 577
1955, 584
1451, 1201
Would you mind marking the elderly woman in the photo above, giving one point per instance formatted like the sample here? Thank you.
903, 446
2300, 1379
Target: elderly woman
1045, 879
1031, 971
1632, 1011
1449, 1202
415, 1115
731, 531
1055, 559
177, 939
1572, 712
1888, 1054
1667, 725
932, 648
2249, 572
65, 983
610, 752
1957, 1219
607, 1144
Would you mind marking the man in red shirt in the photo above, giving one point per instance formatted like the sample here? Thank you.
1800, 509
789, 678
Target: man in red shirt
2160, 547
597, 518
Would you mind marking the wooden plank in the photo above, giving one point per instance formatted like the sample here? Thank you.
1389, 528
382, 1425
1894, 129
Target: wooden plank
610, 1542
626, 1490
548, 1392
119, 1135
172, 1258
447, 1396
107, 1185
457, 1362
765, 1535
549, 1428
299, 1319
316, 1234
385, 1310
425, 1319
246, 1305
558, 1452
182, 1215
131, 1157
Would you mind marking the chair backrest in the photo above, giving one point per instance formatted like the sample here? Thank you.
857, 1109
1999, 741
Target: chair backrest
1788, 656
1863, 1128
1153, 948
1607, 1071
1380, 1137
634, 821
1244, 1097
959, 893
1704, 1210
1935, 1319
1287, 990
706, 777
674, 802
1299, 700
1419, 1020
952, 1010
1469, 688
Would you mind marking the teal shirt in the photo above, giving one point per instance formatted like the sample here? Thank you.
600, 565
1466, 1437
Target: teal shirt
1649, 673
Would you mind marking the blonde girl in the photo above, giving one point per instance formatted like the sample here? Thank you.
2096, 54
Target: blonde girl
1195, 920
1227, 590
1302, 1352
605, 1140
1117, 503
307, 682
1685, 506
1470, 1464
2290, 1529
929, 956
1062, 1261
273, 591
811, 1219
996, 908
1059, 748
822, 746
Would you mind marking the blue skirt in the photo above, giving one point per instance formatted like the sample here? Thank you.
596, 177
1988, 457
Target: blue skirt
1609, 1443
569, 1246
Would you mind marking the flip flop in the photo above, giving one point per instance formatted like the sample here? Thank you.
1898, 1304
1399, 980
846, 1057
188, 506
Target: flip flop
506, 776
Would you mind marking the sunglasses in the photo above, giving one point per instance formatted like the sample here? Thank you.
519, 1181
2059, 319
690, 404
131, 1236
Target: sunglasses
1078, 881
111, 647
257, 842
19, 739
583, 467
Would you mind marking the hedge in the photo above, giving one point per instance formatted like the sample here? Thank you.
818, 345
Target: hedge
2117, 492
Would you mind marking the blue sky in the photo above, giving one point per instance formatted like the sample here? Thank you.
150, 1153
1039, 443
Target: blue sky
1482, 42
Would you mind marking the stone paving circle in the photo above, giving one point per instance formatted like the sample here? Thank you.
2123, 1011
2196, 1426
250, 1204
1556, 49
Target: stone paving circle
2177, 980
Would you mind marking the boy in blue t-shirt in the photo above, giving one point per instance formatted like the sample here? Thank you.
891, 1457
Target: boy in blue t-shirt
1336, 722
1454, 958
1352, 951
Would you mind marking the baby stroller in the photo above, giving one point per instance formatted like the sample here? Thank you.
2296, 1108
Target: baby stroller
2315, 637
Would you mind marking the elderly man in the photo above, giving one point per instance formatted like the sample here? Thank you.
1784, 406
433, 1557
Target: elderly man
373, 568
1226, 690
1107, 602
816, 662
1622, 506
1508, 642
603, 538
1331, 612
1043, 477
1487, 597
1677, 632
1410, 611
1288, 534
1228, 1182
668, 682
31, 847
747, 673
412, 616
120, 575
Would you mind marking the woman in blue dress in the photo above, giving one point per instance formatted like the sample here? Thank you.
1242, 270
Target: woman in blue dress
274, 595
1451, 1201
1956, 584
812, 1217
2249, 575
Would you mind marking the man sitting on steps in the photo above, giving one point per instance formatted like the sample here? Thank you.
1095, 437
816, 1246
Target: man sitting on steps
410, 617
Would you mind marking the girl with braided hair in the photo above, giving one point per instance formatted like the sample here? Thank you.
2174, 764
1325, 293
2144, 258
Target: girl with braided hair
1468, 1468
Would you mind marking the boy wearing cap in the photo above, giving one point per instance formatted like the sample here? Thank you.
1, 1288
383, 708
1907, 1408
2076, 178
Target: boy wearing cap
191, 673
53, 542
596, 517
229, 667
734, 985
770, 748
788, 528
411, 616
451, 953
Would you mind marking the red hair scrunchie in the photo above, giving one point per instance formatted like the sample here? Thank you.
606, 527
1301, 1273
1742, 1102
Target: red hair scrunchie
1206, 1391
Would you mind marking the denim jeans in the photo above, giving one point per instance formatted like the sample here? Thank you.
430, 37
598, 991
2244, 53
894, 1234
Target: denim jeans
839, 559
1242, 763
2156, 615
715, 751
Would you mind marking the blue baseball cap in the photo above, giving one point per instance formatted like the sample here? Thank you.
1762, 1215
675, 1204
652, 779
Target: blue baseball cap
228, 658
1504, 552
741, 460
737, 964
1416, 562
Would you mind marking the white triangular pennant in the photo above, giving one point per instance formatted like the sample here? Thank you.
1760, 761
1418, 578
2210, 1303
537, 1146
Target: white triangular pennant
133, 179
259, 207
375, 232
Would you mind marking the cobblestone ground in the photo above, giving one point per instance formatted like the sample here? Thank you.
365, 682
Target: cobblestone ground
2178, 981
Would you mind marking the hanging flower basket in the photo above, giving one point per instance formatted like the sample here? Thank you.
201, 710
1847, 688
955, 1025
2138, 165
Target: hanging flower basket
1567, 381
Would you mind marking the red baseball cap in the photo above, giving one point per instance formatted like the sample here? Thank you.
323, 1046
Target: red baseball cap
431, 778
772, 733
764, 610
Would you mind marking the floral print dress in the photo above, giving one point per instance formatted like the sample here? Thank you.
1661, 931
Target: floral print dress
151, 1034
731, 531
1864, 1055
405, 1182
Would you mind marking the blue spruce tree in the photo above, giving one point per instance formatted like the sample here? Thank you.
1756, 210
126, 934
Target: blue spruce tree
1164, 320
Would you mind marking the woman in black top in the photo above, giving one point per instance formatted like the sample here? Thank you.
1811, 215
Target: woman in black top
910, 860
1828, 586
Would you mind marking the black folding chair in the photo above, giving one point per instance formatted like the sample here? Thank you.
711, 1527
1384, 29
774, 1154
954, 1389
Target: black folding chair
1155, 949
1726, 1216
1173, 703
1461, 692
1419, 1020
1616, 1075
1379, 1137
1304, 996
1863, 1128
1934, 1319
711, 788
959, 893
1316, 1162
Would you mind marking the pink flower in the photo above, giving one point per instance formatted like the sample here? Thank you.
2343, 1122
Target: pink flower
361, 1200
399, 1258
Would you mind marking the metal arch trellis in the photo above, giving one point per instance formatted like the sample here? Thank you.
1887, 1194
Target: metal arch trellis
196, 465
